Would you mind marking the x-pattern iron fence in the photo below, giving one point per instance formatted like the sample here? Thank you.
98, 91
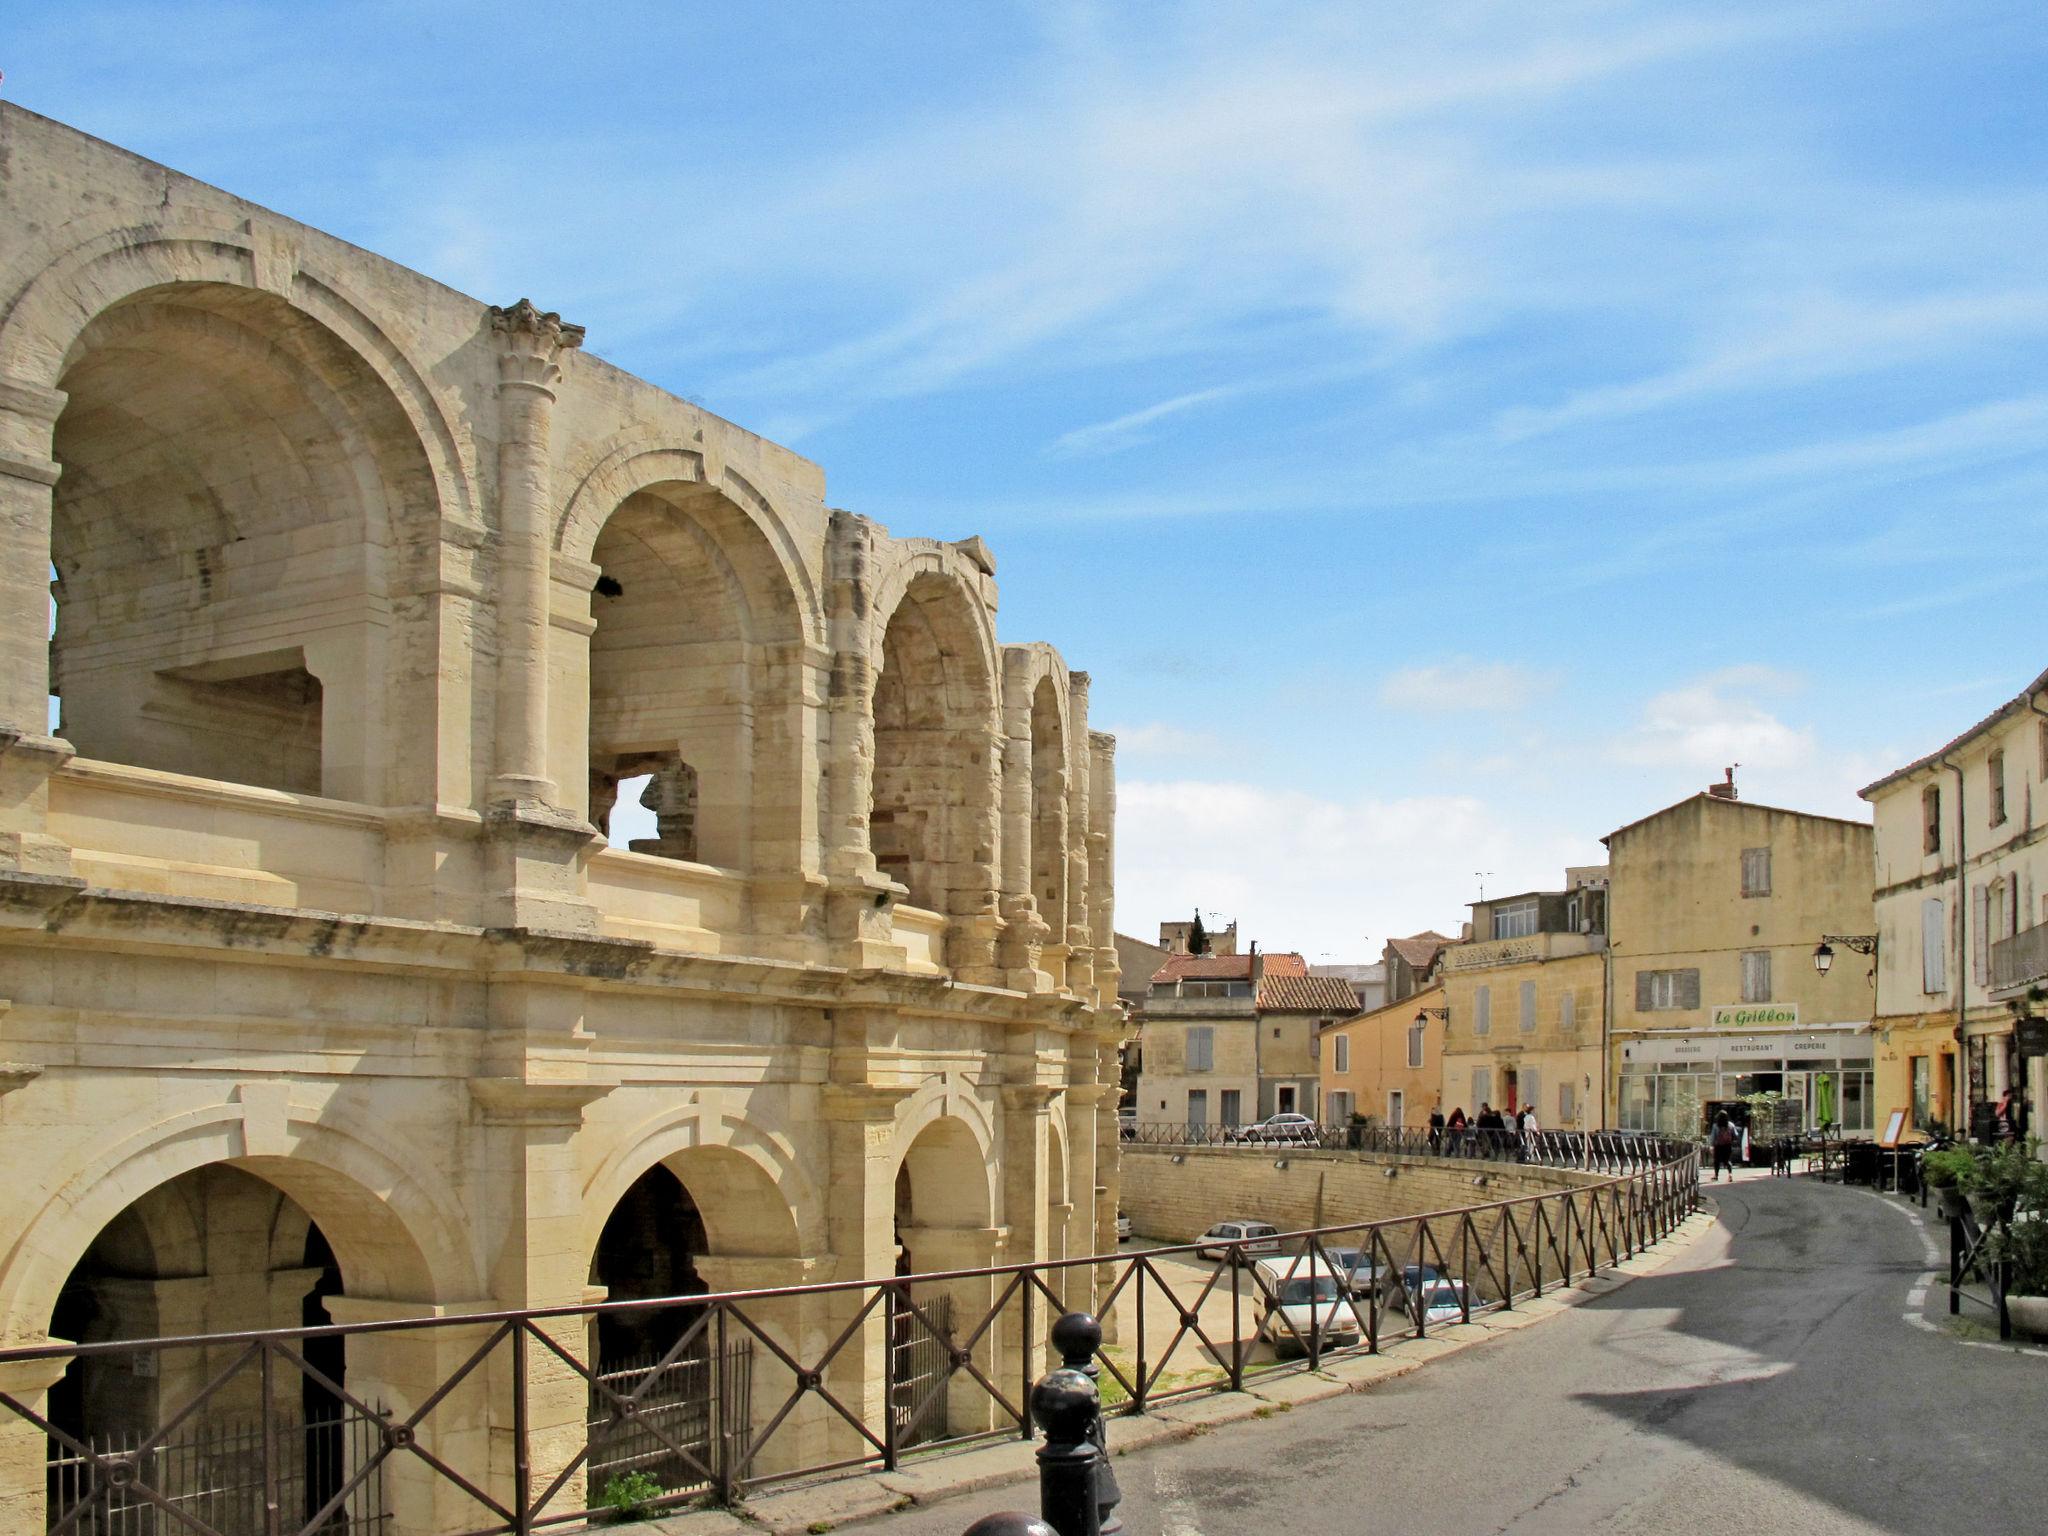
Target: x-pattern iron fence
814, 1406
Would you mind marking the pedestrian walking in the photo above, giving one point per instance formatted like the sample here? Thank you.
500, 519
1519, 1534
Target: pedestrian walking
1722, 1140
1456, 1127
2008, 1116
1531, 1131
1436, 1128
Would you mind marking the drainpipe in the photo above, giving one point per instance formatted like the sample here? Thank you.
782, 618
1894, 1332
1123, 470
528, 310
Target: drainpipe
1962, 949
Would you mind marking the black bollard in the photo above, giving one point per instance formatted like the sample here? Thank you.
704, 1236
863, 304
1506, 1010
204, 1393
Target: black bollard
1077, 1336
1065, 1404
1009, 1522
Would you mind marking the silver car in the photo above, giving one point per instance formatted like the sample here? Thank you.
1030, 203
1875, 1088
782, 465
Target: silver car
1251, 1239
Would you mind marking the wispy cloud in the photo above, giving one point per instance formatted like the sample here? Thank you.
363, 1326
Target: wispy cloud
1128, 430
1461, 684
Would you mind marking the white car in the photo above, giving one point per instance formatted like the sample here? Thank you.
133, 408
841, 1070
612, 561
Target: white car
1444, 1302
1123, 1227
1298, 1129
1299, 1296
1249, 1237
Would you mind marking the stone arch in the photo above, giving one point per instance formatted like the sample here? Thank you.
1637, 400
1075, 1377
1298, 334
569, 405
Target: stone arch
945, 1149
91, 265
688, 665
392, 1236
639, 461
933, 816
243, 506
733, 1159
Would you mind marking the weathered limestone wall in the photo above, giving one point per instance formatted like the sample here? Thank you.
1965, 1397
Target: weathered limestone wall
1179, 1201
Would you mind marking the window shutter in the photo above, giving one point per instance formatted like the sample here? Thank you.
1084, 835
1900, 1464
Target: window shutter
1529, 1088
1482, 1087
1568, 1011
1933, 947
1528, 1001
2012, 904
1482, 1010
1980, 933
1688, 989
1643, 999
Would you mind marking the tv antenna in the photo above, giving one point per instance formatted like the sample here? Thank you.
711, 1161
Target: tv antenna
1481, 875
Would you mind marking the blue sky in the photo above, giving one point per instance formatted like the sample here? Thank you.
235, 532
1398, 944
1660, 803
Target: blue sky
1445, 433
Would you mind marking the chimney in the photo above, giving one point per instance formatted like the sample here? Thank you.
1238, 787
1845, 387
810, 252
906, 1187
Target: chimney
1258, 969
1725, 790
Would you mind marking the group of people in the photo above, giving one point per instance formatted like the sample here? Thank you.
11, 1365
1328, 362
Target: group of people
1488, 1134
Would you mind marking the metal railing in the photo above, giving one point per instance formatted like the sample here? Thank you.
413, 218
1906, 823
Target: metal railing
825, 1360
1589, 1151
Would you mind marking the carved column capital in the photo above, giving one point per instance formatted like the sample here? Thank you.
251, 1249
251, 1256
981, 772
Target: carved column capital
532, 341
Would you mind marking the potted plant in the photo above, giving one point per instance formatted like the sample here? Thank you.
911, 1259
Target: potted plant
1949, 1172
2013, 1184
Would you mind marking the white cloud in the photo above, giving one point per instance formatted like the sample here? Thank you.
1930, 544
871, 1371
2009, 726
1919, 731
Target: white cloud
1715, 720
1463, 684
1128, 430
1325, 876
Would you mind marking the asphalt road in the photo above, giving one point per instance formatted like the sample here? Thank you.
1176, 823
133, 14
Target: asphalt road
1790, 1371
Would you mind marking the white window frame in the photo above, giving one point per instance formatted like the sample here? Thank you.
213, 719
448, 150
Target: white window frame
1516, 920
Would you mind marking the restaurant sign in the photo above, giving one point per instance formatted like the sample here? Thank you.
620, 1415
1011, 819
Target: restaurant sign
1757, 1016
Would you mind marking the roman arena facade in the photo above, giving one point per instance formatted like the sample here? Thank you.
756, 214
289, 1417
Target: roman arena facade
323, 994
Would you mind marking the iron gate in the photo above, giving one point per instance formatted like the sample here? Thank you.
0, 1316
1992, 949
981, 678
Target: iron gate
920, 1360
701, 1402
214, 1475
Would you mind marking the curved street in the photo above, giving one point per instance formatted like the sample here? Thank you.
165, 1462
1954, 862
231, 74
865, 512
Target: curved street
1792, 1369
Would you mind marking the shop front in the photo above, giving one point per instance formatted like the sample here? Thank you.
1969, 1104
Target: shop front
1665, 1079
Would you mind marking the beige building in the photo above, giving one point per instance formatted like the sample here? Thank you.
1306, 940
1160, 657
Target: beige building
1962, 917
1229, 1039
323, 993
1524, 998
1386, 1065
1715, 907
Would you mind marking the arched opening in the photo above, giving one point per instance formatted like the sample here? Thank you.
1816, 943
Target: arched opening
215, 1250
236, 486
931, 819
687, 677
1049, 808
944, 1217
672, 1236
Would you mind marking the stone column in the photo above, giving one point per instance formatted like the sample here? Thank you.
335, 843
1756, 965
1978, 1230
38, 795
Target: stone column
860, 1121
1022, 946
1102, 865
812, 1434
536, 1184
29, 754
531, 342
969, 1408
1080, 975
23, 1447
1026, 1196
860, 901
399, 1370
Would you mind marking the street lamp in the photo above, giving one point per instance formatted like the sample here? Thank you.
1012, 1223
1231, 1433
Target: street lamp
1424, 1015
1857, 943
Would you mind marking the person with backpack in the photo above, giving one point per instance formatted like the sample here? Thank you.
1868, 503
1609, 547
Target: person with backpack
1722, 1140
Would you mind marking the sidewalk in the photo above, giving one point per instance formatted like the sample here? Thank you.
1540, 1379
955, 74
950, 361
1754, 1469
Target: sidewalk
816, 1507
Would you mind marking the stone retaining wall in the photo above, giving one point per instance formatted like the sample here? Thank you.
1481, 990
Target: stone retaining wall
1177, 1201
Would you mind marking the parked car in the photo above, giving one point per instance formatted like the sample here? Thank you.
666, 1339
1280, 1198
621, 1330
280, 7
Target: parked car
1444, 1302
1397, 1287
1298, 1129
1251, 1237
1127, 1125
1123, 1227
1353, 1267
1299, 1296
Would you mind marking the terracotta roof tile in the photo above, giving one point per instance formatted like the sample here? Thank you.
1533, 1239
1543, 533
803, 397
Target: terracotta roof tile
1228, 967
1306, 994
1419, 949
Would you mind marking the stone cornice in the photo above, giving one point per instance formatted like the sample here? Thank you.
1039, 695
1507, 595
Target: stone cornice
531, 1102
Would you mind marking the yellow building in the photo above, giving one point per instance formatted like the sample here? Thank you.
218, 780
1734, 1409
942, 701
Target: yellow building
1386, 1065
1524, 999
1715, 909
1962, 870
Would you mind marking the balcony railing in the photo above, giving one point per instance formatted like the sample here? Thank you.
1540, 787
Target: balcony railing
2021, 959
840, 1375
1531, 946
